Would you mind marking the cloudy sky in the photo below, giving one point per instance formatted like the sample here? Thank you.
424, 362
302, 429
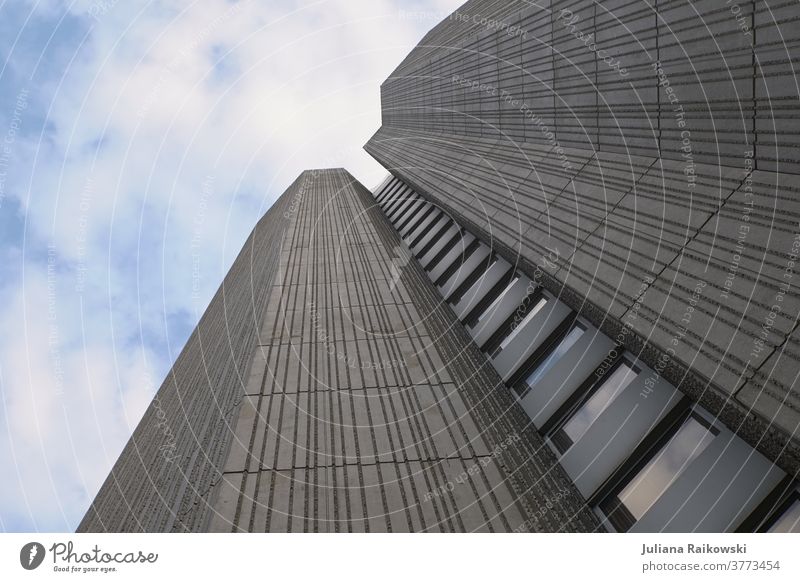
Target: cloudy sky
138, 139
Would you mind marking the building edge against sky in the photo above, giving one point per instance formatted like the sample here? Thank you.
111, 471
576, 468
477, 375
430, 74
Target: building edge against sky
169, 464
555, 257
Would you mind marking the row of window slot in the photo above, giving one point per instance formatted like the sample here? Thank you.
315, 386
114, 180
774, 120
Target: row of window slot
645, 458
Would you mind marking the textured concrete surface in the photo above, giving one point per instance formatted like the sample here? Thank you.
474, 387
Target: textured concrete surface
328, 388
674, 178
162, 479
316, 395
367, 409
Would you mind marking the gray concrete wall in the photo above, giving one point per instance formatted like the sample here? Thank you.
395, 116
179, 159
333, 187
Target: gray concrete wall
162, 479
316, 395
368, 409
663, 181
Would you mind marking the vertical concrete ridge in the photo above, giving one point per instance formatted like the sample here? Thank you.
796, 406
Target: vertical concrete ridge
360, 414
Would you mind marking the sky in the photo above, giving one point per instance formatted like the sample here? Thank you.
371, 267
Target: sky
139, 144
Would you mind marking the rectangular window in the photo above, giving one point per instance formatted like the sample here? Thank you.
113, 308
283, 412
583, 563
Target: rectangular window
789, 521
778, 512
639, 493
544, 365
497, 300
518, 328
480, 271
788, 517
597, 400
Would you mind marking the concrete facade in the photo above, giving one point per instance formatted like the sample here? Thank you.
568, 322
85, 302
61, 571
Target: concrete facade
669, 177
631, 165
163, 478
363, 405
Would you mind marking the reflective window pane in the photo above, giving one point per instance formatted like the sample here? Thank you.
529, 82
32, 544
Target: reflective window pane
577, 426
554, 356
789, 521
531, 314
648, 485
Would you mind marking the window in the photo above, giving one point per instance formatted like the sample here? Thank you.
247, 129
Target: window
554, 356
779, 512
604, 393
477, 274
638, 494
788, 521
499, 298
514, 331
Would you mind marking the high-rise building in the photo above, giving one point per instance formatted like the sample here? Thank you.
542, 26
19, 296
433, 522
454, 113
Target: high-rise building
571, 306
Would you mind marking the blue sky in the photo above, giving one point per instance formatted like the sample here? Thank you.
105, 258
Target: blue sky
139, 143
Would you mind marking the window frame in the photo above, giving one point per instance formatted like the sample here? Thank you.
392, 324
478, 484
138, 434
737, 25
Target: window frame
770, 510
474, 276
492, 298
791, 499
555, 431
492, 345
519, 380
605, 500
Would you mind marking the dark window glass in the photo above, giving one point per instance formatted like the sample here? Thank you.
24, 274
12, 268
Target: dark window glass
789, 520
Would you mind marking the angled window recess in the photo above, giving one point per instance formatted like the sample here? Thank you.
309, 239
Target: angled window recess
636, 495
787, 518
386, 190
414, 234
481, 287
473, 267
551, 358
514, 330
409, 215
589, 409
488, 311
404, 207
396, 199
432, 255
436, 232
452, 263
397, 202
438, 254
779, 512
391, 192
399, 216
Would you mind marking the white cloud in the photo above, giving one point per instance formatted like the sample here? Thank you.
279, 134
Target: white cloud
173, 121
